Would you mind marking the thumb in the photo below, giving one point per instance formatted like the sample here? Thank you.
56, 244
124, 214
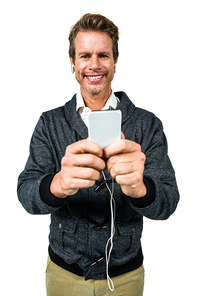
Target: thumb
122, 136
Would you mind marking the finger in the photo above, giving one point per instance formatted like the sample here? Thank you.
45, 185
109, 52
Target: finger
120, 158
75, 184
121, 169
126, 168
83, 160
84, 146
125, 158
121, 146
132, 179
84, 173
122, 136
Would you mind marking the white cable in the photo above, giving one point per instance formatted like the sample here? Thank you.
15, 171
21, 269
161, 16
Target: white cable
110, 240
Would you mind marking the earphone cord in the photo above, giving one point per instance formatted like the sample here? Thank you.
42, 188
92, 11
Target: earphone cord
110, 240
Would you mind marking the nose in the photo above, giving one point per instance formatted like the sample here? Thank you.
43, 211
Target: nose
94, 63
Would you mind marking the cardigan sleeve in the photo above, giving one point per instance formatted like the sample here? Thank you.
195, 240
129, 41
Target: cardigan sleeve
39, 168
159, 175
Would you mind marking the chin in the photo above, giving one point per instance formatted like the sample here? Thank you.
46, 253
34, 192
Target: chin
95, 91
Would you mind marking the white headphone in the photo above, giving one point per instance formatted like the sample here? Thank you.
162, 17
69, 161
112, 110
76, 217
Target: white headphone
72, 69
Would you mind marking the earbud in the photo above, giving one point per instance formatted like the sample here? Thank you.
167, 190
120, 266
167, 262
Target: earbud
114, 69
72, 69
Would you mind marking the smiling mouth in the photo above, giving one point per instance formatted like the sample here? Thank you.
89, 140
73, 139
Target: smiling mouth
96, 78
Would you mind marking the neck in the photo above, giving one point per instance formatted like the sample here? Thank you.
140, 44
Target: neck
96, 102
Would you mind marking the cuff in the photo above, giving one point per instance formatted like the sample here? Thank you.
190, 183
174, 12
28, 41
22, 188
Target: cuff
148, 198
46, 195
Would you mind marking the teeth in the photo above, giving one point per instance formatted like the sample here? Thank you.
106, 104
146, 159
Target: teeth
95, 77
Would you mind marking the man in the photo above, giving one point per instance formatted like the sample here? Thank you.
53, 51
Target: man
64, 169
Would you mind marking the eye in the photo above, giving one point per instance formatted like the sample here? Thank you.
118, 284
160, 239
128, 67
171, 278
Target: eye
103, 56
85, 56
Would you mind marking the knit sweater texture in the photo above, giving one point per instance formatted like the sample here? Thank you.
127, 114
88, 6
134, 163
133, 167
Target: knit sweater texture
75, 219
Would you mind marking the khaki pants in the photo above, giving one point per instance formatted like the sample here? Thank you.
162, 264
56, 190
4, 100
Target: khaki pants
60, 282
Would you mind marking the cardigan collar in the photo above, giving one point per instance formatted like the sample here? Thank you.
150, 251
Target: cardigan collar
74, 119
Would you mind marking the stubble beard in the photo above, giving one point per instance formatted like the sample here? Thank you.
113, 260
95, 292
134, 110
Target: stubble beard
95, 91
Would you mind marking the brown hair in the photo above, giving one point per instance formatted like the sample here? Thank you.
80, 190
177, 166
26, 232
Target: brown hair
94, 22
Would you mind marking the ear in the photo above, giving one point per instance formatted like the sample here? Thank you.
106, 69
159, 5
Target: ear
115, 65
72, 65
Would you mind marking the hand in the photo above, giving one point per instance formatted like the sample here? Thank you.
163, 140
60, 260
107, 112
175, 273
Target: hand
126, 165
80, 168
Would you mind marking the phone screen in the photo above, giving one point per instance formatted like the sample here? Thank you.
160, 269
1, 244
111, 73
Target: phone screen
104, 127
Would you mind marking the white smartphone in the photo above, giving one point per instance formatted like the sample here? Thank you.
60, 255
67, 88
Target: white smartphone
104, 127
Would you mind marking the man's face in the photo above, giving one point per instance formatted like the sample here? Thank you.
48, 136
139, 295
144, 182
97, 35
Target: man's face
94, 62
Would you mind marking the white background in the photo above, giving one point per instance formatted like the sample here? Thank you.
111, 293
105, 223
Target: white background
157, 68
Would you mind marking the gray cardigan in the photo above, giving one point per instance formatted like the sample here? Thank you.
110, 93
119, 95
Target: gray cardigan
73, 220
